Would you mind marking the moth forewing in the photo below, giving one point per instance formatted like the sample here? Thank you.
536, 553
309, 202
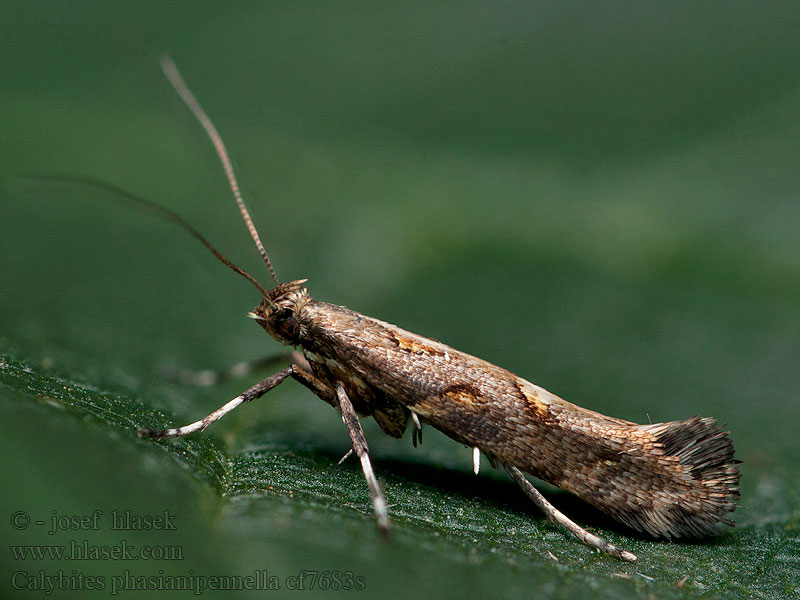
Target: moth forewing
676, 479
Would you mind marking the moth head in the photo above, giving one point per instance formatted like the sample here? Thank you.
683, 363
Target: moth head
279, 312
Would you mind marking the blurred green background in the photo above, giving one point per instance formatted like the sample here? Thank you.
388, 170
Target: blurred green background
603, 199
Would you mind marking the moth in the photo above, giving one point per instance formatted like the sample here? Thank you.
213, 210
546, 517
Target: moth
669, 480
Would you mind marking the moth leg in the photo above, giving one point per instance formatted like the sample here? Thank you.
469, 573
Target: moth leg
557, 516
252, 393
416, 435
211, 377
362, 451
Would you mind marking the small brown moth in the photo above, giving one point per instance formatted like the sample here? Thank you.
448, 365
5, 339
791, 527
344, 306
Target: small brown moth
670, 480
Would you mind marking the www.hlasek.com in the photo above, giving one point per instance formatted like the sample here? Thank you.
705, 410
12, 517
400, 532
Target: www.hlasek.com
305, 580
83, 550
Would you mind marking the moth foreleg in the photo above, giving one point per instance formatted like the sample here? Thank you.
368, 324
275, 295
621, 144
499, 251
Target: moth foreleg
557, 516
210, 377
362, 451
252, 393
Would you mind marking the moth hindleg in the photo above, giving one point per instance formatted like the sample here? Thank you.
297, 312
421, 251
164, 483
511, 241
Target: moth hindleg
556, 516
211, 377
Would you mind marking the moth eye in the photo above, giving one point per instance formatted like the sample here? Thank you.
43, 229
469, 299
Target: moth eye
289, 328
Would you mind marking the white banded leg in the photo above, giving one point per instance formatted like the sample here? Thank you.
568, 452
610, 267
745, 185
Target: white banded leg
362, 451
252, 393
557, 516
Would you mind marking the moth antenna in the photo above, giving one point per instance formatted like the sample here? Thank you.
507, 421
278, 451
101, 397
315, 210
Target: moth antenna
175, 78
156, 208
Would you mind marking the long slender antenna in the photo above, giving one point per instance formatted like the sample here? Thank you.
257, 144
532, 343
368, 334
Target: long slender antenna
156, 208
175, 78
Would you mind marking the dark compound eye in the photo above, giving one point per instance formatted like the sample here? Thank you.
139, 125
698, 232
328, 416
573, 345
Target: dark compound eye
287, 326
